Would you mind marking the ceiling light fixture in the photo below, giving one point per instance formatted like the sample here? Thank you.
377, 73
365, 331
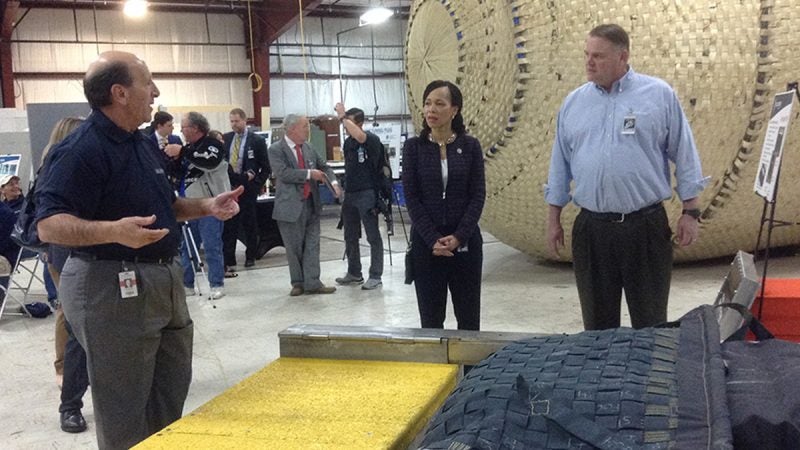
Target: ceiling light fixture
135, 8
375, 16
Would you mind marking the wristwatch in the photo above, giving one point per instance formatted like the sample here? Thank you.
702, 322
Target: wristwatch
693, 213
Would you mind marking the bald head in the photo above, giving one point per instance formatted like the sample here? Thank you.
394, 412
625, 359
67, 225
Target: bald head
109, 69
120, 85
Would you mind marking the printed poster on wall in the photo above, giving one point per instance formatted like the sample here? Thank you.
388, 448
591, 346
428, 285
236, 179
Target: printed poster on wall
9, 164
772, 150
390, 137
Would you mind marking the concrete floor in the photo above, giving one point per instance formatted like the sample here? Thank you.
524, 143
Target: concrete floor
520, 293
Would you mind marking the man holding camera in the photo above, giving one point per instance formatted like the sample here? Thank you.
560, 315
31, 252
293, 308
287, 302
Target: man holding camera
362, 162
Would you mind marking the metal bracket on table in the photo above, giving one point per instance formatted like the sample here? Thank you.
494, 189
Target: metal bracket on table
393, 344
740, 286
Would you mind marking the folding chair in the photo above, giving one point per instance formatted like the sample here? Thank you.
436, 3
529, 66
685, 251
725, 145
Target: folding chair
6, 271
27, 265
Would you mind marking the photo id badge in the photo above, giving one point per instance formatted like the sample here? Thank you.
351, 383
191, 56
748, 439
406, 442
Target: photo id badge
127, 284
629, 124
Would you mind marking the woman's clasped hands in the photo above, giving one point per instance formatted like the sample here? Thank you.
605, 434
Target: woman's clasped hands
445, 246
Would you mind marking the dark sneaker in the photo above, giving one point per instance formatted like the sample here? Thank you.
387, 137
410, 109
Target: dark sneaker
73, 421
350, 279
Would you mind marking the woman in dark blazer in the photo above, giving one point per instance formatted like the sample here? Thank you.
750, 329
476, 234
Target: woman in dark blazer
445, 188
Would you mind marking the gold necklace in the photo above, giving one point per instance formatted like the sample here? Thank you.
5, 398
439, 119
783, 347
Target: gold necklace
443, 145
448, 141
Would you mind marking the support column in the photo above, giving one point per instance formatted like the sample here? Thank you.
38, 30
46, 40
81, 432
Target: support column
8, 12
261, 62
269, 22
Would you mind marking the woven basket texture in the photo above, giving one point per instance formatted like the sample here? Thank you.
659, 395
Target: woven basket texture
515, 61
622, 380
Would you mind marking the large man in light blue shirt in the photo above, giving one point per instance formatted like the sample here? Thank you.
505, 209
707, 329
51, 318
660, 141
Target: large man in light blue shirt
615, 138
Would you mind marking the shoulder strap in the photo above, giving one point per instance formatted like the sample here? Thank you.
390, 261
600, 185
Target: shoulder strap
750, 322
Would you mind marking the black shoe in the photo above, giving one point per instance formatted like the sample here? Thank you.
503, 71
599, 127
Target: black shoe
73, 421
250, 263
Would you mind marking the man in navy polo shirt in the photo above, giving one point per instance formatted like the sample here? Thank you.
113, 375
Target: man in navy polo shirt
104, 193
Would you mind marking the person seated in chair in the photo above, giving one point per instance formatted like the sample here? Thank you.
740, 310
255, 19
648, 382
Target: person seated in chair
10, 192
8, 248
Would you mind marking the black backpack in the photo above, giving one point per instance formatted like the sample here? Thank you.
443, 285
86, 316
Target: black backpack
383, 183
25, 233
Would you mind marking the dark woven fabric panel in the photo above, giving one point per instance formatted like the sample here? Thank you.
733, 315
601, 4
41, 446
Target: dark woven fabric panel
608, 389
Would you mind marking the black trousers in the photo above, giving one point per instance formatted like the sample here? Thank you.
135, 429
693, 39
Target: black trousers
461, 274
634, 255
246, 219
359, 207
76, 376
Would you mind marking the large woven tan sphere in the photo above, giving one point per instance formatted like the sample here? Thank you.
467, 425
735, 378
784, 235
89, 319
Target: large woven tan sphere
515, 61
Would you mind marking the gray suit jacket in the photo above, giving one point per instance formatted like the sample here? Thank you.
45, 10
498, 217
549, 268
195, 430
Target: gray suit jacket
290, 179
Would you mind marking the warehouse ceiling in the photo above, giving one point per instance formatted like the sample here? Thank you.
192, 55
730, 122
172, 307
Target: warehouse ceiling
275, 16
323, 8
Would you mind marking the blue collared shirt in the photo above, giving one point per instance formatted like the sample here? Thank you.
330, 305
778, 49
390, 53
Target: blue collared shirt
102, 172
616, 146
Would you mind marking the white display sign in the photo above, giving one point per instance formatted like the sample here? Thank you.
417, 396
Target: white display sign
390, 137
9, 164
772, 150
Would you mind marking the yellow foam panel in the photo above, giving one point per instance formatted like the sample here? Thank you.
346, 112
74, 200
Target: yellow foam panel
304, 403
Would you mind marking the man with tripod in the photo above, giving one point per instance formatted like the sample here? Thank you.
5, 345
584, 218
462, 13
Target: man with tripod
207, 176
363, 153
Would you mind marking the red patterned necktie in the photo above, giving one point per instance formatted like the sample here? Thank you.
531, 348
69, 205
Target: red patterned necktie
301, 163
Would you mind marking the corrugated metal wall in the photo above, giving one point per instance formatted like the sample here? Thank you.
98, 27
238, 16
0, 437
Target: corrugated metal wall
49, 42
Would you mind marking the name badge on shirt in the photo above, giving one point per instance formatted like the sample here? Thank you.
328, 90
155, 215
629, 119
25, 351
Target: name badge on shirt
251, 154
629, 124
127, 284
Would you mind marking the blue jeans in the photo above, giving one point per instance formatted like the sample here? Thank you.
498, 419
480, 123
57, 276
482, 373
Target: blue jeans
49, 285
210, 231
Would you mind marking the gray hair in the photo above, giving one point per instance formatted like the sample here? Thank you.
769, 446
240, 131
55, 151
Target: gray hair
199, 121
290, 120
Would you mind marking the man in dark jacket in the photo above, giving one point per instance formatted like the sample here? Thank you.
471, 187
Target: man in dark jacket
248, 167
162, 136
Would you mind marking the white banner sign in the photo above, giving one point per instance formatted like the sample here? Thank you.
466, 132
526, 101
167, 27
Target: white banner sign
390, 137
772, 151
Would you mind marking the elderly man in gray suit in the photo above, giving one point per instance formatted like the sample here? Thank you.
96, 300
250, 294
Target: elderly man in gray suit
298, 170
